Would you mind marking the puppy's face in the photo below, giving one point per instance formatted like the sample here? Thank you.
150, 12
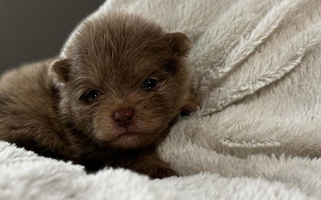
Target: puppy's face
123, 80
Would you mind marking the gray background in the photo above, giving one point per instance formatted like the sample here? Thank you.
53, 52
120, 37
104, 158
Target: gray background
35, 29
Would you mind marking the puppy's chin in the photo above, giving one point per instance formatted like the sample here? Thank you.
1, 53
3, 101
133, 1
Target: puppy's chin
131, 140
127, 139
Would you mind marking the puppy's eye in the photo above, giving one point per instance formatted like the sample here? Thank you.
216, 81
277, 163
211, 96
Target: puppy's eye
92, 95
150, 83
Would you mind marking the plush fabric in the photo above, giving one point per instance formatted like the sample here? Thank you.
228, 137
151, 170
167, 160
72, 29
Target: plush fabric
257, 135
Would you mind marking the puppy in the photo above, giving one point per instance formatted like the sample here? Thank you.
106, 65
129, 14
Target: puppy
109, 100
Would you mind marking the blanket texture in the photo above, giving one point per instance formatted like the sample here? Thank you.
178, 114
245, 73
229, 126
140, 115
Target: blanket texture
257, 135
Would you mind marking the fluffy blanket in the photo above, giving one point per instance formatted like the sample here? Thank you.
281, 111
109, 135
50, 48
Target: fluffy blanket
257, 135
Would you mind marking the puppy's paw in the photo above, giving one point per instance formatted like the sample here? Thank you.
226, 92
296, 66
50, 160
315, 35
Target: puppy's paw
191, 105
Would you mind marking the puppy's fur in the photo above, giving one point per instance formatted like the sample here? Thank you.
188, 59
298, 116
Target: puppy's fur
108, 101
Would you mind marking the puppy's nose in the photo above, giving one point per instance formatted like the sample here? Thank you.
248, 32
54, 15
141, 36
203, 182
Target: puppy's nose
124, 117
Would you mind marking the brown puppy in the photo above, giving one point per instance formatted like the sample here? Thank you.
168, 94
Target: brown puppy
108, 101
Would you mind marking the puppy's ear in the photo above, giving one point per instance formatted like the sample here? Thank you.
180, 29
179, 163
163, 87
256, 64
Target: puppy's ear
60, 70
179, 43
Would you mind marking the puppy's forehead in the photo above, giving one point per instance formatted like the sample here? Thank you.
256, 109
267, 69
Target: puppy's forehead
118, 36
119, 47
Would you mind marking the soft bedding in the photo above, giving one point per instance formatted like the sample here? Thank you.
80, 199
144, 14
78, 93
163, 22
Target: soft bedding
256, 67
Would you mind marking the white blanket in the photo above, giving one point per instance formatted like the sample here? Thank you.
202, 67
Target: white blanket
256, 67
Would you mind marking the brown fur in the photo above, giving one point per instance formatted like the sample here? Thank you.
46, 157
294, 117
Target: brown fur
54, 115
